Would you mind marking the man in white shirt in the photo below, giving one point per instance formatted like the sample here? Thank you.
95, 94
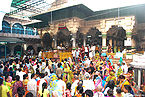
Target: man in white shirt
40, 53
93, 50
87, 62
74, 54
32, 85
20, 73
61, 85
74, 85
47, 70
124, 67
86, 50
77, 55
43, 66
42, 80
34, 67
87, 83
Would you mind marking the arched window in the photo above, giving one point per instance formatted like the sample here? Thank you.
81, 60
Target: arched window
17, 28
6, 27
29, 31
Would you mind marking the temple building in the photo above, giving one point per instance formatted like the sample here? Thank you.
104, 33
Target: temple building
67, 25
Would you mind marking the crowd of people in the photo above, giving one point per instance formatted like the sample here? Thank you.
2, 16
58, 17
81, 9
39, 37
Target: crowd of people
80, 76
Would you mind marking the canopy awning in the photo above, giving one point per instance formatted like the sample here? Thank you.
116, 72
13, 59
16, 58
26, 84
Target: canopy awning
11, 40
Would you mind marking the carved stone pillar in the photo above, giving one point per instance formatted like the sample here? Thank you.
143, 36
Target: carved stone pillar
24, 30
104, 36
55, 41
73, 40
53, 30
73, 25
84, 40
25, 46
128, 36
110, 42
114, 42
129, 27
133, 43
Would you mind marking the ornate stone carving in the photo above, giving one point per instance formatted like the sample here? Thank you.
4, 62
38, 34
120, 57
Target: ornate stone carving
73, 25
53, 29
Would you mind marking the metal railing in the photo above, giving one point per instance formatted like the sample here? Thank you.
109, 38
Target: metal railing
15, 32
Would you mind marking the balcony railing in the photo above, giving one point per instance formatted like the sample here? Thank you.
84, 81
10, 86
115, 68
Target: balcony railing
18, 32
19, 35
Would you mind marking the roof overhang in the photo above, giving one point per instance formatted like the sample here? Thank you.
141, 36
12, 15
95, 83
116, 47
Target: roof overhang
10, 40
80, 11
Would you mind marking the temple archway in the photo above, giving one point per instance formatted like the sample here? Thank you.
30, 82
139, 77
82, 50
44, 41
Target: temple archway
116, 36
64, 37
94, 37
18, 50
47, 41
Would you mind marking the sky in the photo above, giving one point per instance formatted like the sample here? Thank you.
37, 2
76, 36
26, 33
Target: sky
97, 5
94, 5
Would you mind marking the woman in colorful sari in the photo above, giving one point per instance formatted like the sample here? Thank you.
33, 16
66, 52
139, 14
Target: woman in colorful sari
98, 79
104, 81
16, 85
119, 70
110, 66
83, 52
67, 75
106, 73
7, 83
110, 77
52, 85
